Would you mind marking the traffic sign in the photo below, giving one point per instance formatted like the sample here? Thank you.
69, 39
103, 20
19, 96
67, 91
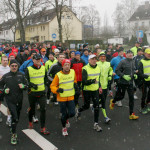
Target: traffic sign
54, 36
139, 34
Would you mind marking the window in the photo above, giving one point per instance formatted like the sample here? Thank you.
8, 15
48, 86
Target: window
1, 33
6, 32
43, 28
68, 17
31, 21
47, 18
28, 21
62, 17
33, 29
41, 38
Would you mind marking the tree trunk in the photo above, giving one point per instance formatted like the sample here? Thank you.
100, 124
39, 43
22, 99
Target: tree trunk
20, 22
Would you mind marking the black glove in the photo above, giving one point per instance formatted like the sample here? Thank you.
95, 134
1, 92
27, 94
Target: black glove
60, 90
77, 89
93, 81
145, 76
34, 86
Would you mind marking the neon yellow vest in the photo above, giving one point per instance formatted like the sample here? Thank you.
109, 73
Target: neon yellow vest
93, 73
146, 68
49, 63
66, 82
106, 70
37, 77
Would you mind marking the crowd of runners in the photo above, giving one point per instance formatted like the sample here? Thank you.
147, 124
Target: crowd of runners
54, 74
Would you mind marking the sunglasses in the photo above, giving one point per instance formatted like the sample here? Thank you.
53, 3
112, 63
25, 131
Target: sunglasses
102, 56
13, 65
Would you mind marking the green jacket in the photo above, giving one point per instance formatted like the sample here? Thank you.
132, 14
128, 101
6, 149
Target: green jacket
1, 57
105, 71
49, 63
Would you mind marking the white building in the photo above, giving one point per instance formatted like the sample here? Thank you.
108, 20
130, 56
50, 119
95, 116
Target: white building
140, 20
115, 40
6, 31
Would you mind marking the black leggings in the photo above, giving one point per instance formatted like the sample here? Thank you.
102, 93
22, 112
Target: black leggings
15, 113
121, 93
94, 96
41, 101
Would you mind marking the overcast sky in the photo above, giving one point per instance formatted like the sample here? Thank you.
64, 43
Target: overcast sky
103, 6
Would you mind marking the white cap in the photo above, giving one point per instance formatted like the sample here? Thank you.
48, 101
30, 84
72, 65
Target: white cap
56, 50
91, 56
97, 45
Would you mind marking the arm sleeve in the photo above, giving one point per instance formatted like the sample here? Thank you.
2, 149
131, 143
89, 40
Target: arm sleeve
22, 69
84, 78
110, 71
119, 69
49, 73
55, 84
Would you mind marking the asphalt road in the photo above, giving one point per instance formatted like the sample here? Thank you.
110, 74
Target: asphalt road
120, 134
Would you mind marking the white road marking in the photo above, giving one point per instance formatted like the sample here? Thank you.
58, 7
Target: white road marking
39, 140
3, 109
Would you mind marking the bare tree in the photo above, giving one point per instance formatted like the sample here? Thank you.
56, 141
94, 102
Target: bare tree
122, 14
106, 30
91, 20
20, 10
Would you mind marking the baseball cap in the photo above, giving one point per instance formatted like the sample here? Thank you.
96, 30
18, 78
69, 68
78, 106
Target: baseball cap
37, 56
13, 61
129, 51
102, 54
56, 50
43, 50
77, 53
65, 61
92, 56
147, 51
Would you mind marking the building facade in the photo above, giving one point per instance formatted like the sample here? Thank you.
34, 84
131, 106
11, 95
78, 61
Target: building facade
39, 27
140, 20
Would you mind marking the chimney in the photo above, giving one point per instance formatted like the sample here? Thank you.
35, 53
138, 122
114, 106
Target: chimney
146, 4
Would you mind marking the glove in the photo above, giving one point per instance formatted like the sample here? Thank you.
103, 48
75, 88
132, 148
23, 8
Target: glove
7, 91
145, 76
93, 80
135, 76
60, 90
127, 77
34, 86
109, 78
77, 89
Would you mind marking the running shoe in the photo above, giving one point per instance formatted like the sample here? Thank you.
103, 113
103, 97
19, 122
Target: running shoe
64, 132
44, 131
30, 125
133, 117
119, 103
67, 124
8, 122
111, 105
144, 110
78, 115
14, 139
35, 119
97, 127
110, 94
47, 101
107, 120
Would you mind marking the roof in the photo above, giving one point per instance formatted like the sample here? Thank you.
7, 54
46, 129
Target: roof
40, 17
8, 24
142, 13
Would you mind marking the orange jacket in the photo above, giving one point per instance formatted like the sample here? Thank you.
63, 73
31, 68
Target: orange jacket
54, 87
